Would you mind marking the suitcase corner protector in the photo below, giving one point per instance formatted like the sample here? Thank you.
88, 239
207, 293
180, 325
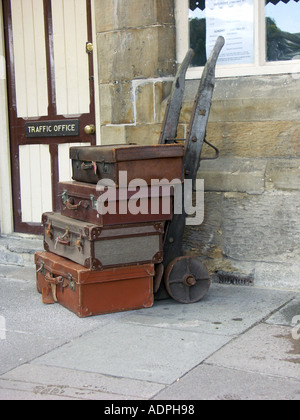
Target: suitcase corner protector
159, 227
158, 258
93, 264
149, 303
44, 218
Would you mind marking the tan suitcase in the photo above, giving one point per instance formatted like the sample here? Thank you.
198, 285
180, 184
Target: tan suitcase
88, 293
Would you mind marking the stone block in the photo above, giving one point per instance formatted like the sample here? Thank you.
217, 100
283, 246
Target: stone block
283, 175
258, 140
144, 99
145, 134
206, 239
261, 228
165, 11
115, 14
255, 98
116, 104
104, 15
136, 53
231, 174
113, 134
162, 91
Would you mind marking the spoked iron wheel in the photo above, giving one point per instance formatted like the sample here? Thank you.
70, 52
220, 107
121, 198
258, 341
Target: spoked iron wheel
187, 280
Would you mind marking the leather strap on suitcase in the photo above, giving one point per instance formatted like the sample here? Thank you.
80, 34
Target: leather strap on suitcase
49, 293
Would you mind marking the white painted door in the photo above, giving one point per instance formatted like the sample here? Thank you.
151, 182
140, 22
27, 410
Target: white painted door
51, 98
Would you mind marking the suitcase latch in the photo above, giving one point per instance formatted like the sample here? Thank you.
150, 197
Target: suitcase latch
41, 269
72, 283
79, 243
105, 166
64, 196
49, 231
93, 202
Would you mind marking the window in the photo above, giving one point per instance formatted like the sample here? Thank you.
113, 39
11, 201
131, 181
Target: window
262, 36
283, 31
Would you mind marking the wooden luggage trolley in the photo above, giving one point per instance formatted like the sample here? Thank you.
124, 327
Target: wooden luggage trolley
95, 264
186, 279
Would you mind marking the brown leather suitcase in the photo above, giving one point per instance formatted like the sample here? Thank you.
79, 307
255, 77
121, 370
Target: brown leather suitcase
79, 201
92, 163
97, 247
88, 293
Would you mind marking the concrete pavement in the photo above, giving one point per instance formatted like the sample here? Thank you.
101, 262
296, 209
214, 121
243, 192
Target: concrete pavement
240, 342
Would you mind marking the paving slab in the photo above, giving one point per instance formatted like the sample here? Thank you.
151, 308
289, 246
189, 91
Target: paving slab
22, 274
136, 351
19, 250
39, 380
288, 315
265, 349
226, 310
12, 393
207, 382
28, 328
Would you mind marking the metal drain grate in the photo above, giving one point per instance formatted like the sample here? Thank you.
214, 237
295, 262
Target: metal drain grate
234, 278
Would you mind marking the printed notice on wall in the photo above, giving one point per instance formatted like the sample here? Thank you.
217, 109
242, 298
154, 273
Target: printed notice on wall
234, 20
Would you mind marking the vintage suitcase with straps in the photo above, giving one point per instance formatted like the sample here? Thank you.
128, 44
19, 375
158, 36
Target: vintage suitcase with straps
79, 200
97, 247
93, 163
87, 292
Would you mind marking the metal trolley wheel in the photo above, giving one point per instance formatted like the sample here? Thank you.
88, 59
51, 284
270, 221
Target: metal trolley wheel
187, 280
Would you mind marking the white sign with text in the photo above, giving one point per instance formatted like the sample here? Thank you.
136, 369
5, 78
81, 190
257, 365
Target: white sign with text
234, 20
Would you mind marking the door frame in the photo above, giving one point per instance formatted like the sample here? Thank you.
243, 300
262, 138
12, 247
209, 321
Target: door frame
6, 206
17, 125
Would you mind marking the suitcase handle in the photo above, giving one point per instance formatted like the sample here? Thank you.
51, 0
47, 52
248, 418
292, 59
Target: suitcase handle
91, 165
70, 206
86, 166
60, 281
68, 202
53, 280
64, 240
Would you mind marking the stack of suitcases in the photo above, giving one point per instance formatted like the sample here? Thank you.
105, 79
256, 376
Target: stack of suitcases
100, 261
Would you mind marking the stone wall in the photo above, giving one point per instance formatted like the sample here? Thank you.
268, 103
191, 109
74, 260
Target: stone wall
136, 62
251, 230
